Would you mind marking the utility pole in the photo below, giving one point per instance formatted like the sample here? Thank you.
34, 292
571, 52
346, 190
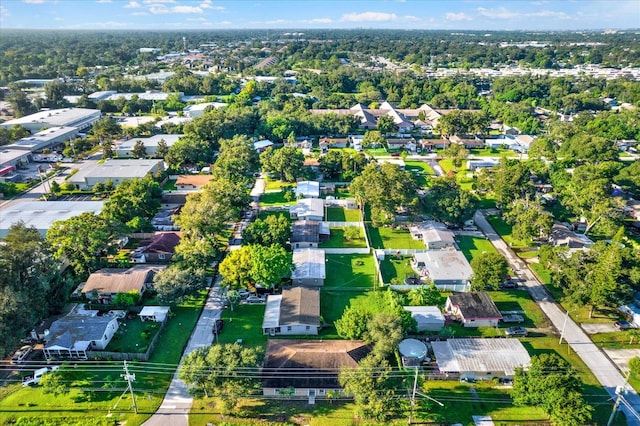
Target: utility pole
130, 378
413, 395
619, 392
566, 317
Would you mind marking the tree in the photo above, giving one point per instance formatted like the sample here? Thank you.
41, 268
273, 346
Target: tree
425, 296
133, 198
162, 149
221, 370
20, 103
372, 139
529, 219
287, 162
457, 153
352, 233
139, 150
372, 385
331, 164
54, 383
237, 159
107, 149
55, 91
489, 271
272, 230
448, 202
270, 264
552, 384
386, 124
386, 188
384, 331
195, 252
509, 180
84, 240
353, 323
174, 284
235, 268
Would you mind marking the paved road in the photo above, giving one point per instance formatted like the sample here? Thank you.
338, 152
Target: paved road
177, 402
602, 367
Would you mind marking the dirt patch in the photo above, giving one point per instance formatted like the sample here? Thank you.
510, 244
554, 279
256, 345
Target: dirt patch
598, 328
621, 357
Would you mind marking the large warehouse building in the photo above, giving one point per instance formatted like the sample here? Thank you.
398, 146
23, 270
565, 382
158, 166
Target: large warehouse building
81, 118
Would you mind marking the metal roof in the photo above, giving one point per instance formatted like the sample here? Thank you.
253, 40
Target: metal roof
42, 214
309, 263
272, 311
445, 265
480, 355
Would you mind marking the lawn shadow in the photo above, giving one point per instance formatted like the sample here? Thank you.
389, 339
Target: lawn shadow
375, 239
336, 214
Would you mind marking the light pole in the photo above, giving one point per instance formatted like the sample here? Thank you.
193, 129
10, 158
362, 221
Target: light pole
566, 318
413, 396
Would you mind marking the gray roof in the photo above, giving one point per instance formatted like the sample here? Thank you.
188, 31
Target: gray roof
432, 232
309, 263
72, 329
425, 314
305, 231
475, 305
300, 305
55, 117
480, 355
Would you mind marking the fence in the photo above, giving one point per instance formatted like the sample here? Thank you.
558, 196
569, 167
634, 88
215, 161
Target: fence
362, 250
129, 356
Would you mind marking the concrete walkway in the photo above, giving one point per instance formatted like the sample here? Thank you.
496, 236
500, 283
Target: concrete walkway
177, 402
602, 367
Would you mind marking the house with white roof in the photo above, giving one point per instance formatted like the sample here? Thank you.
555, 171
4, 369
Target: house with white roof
449, 270
435, 235
308, 208
308, 189
262, 145
196, 110
428, 318
310, 267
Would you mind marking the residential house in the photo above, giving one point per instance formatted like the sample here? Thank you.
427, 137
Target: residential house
262, 145
524, 142
469, 143
308, 189
474, 309
295, 311
154, 313
435, 235
197, 110
431, 144
308, 233
486, 163
103, 285
562, 236
308, 209
406, 143
482, 359
308, 368
309, 267
192, 182
160, 249
329, 143
72, 336
428, 318
447, 269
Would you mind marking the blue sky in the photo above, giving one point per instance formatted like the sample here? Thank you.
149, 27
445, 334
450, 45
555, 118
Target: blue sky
301, 14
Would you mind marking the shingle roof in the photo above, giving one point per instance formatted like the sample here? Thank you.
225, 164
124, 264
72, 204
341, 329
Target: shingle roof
113, 280
163, 243
70, 329
300, 305
475, 305
319, 361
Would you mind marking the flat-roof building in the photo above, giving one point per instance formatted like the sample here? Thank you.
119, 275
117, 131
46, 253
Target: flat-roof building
116, 171
81, 118
11, 158
45, 139
42, 214
196, 110
448, 269
125, 150
309, 267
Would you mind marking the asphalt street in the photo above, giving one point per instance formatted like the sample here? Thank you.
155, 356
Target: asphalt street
600, 365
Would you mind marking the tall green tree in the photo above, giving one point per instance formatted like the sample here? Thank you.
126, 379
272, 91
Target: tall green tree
272, 230
133, 198
457, 153
529, 219
237, 159
174, 284
139, 150
489, 271
287, 162
448, 202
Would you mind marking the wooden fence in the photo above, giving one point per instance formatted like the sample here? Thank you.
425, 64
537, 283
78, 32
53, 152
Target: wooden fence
130, 356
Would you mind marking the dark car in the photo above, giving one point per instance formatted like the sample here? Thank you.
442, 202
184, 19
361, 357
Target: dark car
623, 325
217, 328
509, 284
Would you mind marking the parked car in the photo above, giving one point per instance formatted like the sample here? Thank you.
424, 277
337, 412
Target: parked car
255, 300
217, 328
623, 325
513, 318
244, 293
21, 354
509, 284
516, 332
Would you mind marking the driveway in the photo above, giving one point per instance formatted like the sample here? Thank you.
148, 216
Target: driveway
177, 402
600, 365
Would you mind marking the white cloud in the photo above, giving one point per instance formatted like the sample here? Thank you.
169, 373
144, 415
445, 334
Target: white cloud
549, 14
57, 18
207, 4
497, 13
186, 9
139, 14
457, 17
316, 21
133, 4
33, 1
157, 1
103, 1
4, 12
411, 18
369, 17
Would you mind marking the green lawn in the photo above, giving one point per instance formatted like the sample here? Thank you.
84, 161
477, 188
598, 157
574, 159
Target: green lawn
394, 270
473, 246
170, 185
266, 213
420, 166
495, 152
337, 240
504, 230
350, 272
271, 184
338, 214
275, 199
130, 337
244, 322
388, 238
616, 340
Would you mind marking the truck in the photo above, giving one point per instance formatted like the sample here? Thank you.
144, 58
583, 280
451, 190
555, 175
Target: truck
34, 379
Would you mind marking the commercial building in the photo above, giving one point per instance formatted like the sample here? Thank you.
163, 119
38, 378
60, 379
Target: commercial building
125, 150
116, 171
81, 118
45, 139
196, 110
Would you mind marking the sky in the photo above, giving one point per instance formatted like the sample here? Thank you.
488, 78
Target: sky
308, 14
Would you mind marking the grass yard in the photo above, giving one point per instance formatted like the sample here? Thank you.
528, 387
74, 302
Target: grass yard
493, 152
338, 214
504, 230
394, 270
275, 199
337, 240
617, 340
474, 246
421, 166
130, 337
266, 213
350, 272
272, 184
388, 238
170, 185
244, 322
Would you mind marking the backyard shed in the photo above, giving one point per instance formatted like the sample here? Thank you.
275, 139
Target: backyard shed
428, 318
154, 313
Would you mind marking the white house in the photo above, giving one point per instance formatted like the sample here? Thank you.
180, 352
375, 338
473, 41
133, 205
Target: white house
308, 209
295, 311
473, 309
72, 336
310, 267
448, 269
308, 189
435, 235
262, 145
154, 313
196, 110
